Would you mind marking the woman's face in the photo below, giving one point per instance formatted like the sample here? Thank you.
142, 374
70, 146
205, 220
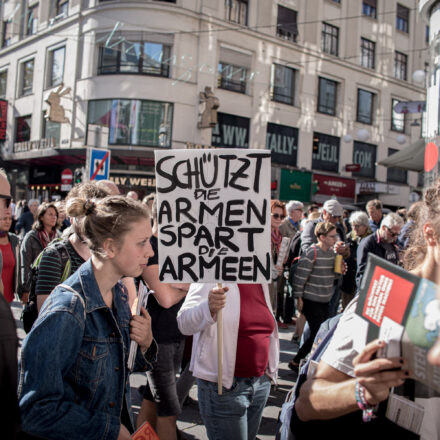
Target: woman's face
132, 256
6, 221
49, 219
360, 230
276, 217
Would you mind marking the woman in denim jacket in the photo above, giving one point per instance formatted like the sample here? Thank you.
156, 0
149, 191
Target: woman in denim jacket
74, 381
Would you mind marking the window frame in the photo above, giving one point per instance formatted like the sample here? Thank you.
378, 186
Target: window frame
395, 127
22, 91
329, 38
277, 97
400, 66
164, 66
24, 117
370, 120
402, 18
369, 9
50, 83
290, 31
242, 4
62, 8
229, 84
7, 30
394, 172
4, 72
368, 52
335, 104
32, 11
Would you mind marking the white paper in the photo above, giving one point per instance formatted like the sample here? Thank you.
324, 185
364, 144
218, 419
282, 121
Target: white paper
142, 301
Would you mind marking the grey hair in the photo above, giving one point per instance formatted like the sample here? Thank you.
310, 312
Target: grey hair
392, 219
292, 205
32, 201
359, 218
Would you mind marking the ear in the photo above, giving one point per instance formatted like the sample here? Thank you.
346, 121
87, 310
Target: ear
429, 234
110, 248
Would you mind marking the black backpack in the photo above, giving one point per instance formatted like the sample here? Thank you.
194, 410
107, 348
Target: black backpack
30, 310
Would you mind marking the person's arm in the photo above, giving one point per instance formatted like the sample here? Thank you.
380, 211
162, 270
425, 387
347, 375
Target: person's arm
167, 295
195, 314
49, 352
331, 393
308, 236
26, 262
302, 272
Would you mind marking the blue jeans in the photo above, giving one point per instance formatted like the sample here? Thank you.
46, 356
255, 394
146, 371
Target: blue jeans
237, 413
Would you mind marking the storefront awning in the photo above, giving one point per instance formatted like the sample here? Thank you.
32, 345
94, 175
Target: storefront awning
409, 158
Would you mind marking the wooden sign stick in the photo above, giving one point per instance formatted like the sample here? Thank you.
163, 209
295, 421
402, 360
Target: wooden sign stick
219, 347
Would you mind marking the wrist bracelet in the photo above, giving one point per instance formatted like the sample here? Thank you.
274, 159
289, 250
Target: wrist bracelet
367, 409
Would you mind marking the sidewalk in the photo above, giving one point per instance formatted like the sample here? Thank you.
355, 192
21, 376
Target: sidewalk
190, 422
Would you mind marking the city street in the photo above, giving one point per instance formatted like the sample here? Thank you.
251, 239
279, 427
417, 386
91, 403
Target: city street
190, 422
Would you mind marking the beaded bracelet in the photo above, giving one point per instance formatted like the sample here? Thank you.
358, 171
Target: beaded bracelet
361, 400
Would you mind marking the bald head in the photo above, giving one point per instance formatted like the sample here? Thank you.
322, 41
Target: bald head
109, 186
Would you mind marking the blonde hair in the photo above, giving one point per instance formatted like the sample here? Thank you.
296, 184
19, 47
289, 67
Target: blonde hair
110, 217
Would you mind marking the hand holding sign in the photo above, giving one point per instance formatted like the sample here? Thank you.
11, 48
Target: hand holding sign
217, 300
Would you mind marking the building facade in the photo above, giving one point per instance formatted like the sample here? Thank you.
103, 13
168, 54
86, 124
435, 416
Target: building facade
316, 85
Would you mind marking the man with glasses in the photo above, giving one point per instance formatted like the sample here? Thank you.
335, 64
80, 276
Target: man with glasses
381, 243
8, 341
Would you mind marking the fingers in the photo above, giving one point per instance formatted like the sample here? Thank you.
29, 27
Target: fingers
369, 350
145, 314
377, 365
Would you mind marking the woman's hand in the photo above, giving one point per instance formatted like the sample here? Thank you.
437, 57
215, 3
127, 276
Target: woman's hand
299, 305
124, 434
140, 330
378, 375
217, 300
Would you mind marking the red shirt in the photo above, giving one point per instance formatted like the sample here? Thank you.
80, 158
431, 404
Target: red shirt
256, 325
8, 271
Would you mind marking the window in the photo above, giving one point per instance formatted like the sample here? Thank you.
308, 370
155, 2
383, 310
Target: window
3, 83
56, 63
7, 33
133, 122
135, 57
365, 155
395, 174
427, 34
325, 152
330, 39
402, 18
365, 104
327, 96
400, 63
51, 130
23, 128
397, 119
27, 77
286, 23
369, 8
236, 11
32, 20
232, 77
368, 51
283, 84
62, 8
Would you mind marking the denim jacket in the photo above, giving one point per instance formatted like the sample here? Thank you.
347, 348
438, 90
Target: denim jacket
73, 367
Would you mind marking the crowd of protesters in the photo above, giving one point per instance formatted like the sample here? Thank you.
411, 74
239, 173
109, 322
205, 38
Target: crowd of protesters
82, 261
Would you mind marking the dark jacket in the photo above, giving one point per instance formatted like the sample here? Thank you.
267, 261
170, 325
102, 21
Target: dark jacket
30, 249
374, 244
308, 236
15, 244
25, 222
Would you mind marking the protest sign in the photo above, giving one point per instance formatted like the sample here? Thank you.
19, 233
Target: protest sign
213, 211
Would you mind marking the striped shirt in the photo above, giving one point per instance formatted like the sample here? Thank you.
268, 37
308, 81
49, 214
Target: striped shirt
314, 280
50, 269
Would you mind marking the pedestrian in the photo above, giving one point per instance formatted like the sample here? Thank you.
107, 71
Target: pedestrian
404, 238
374, 209
10, 249
313, 285
42, 233
250, 355
27, 218
73, 369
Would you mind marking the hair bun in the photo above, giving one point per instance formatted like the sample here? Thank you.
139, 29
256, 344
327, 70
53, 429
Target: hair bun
89, 207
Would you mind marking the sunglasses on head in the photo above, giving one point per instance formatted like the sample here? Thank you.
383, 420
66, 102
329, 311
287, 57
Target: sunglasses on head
280, 216
7, 199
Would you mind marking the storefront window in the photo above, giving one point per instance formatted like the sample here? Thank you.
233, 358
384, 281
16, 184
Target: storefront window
133, 122
52, 130
23, 128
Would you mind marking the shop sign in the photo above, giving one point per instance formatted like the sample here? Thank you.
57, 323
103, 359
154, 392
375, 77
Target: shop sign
41, 144
231, 131
295, 185
282, 141
365, 155
3, 118
325, 152
377, 187
147, 181
342, 188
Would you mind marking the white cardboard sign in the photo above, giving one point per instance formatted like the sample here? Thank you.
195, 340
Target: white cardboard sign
213, 209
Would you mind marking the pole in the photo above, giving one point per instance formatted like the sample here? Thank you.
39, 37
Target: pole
219, 347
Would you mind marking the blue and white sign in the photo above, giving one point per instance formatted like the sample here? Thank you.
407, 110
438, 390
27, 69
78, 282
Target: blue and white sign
98, 164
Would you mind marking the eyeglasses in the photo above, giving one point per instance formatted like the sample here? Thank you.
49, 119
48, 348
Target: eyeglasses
7, 199
278, 216
393, 234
